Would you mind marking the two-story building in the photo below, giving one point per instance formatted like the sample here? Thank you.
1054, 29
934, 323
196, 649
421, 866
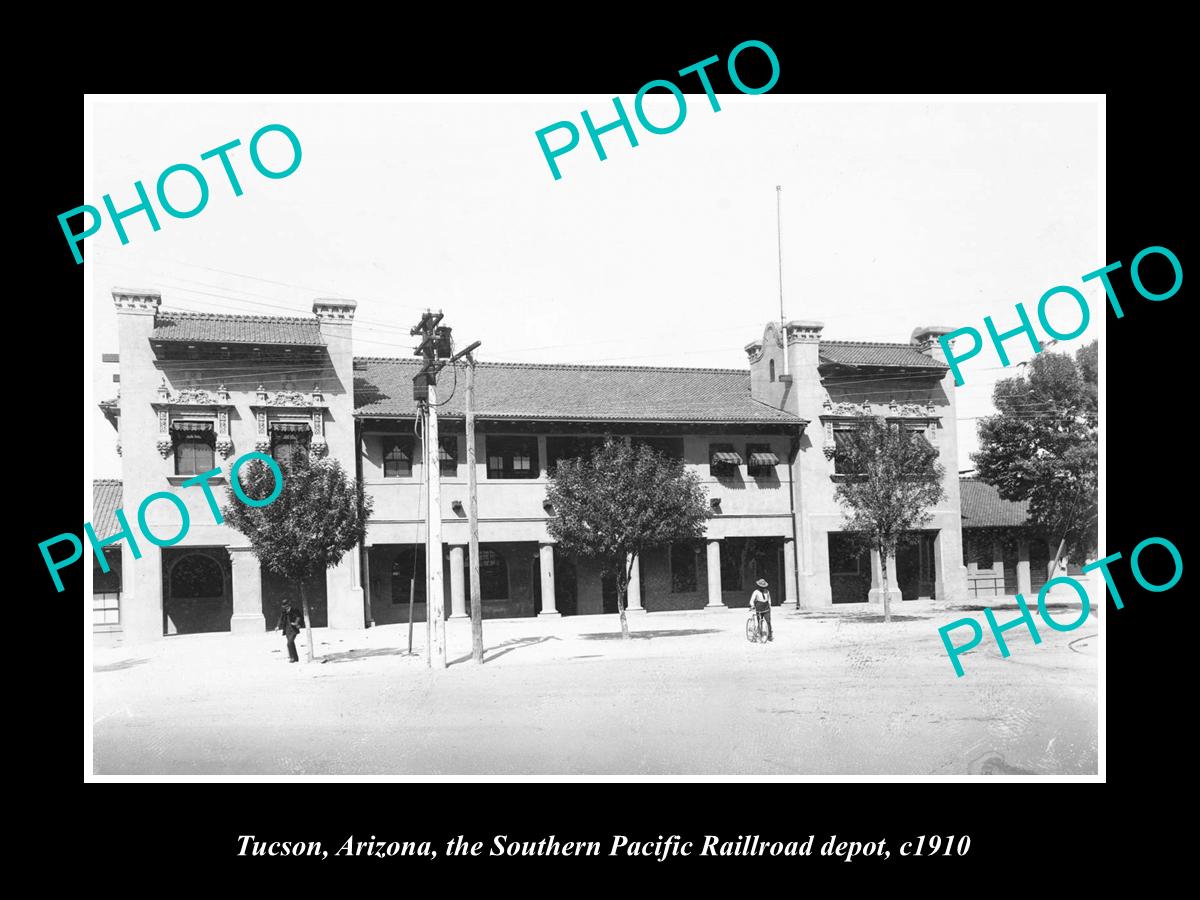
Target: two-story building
199, 389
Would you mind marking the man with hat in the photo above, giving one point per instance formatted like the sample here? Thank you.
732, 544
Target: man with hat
760, 601
290, 620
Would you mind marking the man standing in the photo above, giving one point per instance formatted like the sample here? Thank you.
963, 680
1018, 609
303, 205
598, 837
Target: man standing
290, 621
760, 600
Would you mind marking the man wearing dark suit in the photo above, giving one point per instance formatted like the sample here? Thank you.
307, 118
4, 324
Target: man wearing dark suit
290, 621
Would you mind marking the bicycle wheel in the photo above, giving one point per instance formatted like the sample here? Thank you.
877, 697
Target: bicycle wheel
752, 632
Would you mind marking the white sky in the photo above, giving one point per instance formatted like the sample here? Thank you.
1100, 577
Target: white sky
895, 215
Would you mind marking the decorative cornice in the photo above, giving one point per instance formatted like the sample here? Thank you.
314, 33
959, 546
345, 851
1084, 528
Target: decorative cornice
191, 397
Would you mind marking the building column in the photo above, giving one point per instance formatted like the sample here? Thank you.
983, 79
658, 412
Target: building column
998, 561
1024, 582
247, 593
546, 559
458, 594
633, 597
344, 593
141, 593
791, 592
715, 601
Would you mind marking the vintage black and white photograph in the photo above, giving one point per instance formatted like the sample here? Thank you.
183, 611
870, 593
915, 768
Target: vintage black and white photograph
692, 433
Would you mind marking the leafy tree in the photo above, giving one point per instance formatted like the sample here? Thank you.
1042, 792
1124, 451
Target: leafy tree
319, 516
622, 499
893, 478
1042, 445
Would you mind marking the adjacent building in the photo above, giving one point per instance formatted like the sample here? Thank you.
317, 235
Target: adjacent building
199, 389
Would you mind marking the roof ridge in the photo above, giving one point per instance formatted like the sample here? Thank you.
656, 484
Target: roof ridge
96, 481
212, 316
872, 343
578, 366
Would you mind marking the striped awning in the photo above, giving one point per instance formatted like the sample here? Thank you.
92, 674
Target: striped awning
291, 427
764, 459
192, 427
725, 455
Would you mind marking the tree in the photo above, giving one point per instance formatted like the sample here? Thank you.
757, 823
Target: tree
319, 516
620, 500
1042, 446
892, 477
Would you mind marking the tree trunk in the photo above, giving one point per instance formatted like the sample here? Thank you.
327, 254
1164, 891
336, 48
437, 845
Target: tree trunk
887, 603
307, 621
622, 587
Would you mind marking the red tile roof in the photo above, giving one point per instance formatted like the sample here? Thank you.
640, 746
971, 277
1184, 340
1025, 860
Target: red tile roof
982, 507
222, 328
865, 353
106, 500
581, 393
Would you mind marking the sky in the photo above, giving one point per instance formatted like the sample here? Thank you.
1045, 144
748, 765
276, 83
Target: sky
894, 214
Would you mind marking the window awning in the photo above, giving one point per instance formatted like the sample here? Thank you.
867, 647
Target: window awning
291, 427
726, 458
764, 459
192, 427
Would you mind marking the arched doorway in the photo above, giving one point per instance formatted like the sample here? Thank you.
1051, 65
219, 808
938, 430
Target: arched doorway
197, 594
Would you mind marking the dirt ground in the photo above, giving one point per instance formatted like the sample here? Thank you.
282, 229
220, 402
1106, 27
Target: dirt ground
838, 692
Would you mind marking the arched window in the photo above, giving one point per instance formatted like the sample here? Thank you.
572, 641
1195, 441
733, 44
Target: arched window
493, 575
772, 369
196, 576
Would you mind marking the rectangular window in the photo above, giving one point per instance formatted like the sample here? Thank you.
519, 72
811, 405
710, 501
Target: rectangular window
286, 445
448, 455
560, 447
398, 456
106, 608
193, 447
683, 569
670, 447
842, 436
981, 553
723, 459
512, 456
760, 460
847, 557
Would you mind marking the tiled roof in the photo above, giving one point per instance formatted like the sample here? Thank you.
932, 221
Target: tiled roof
383, 387
106, 500
221, 328
865, 353
982, 507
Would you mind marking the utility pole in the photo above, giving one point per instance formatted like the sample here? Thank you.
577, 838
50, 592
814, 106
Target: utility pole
436, 349
779, 241
434, 346
473, 517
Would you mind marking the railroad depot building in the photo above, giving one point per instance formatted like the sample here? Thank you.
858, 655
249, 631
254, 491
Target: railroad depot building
199, 389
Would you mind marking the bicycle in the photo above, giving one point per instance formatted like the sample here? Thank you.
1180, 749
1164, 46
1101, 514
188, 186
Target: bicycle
756, 632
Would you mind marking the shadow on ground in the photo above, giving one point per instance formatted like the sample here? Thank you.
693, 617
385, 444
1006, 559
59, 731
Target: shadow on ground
973, 607
117, 666
857, 617
647, 635
351, 655
507, 647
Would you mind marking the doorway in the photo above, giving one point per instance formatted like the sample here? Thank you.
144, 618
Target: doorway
915, 568
197, 590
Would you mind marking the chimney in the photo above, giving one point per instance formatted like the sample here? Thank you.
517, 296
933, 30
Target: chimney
334, 312
134, 302
925, 339
804, 347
